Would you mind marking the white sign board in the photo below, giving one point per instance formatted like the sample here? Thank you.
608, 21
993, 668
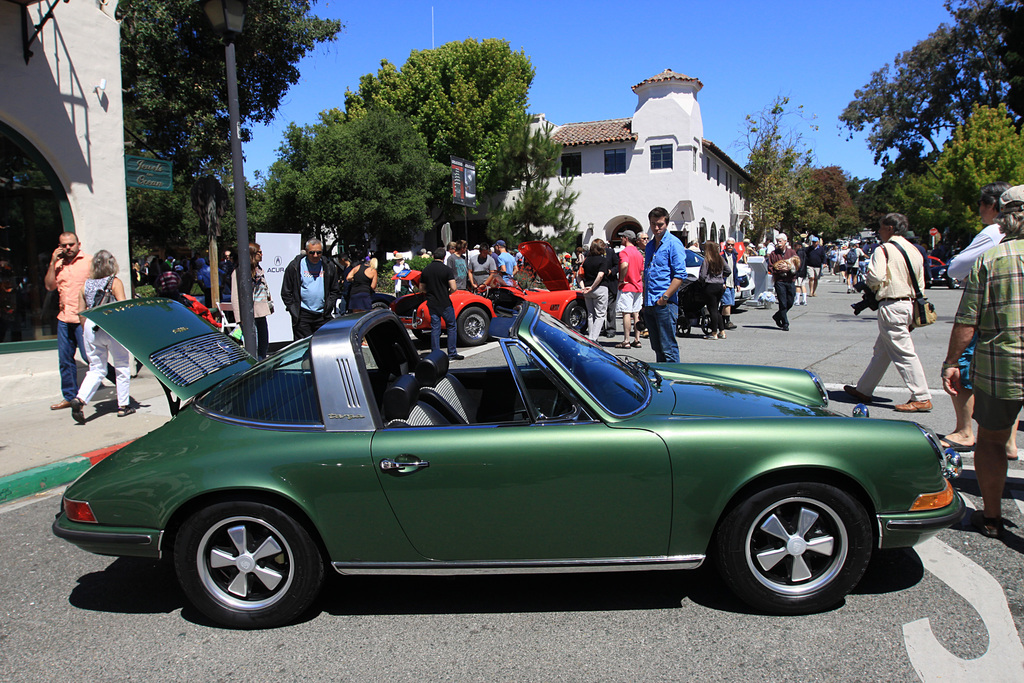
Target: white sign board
279, 248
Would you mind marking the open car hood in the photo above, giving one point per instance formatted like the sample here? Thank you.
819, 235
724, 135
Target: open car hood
544, 261
186, 353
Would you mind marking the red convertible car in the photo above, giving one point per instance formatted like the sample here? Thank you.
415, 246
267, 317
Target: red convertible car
473, 312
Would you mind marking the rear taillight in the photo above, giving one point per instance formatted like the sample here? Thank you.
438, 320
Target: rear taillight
79, 511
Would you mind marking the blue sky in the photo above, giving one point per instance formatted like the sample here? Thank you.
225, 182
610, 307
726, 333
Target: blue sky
588, 55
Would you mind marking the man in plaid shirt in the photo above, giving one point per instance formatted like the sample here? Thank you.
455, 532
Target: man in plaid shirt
993, 304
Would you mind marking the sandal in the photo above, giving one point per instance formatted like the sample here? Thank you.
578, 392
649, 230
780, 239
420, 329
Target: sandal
636, 344
721, 335
955, 445
124, 411
987, 526
622, 345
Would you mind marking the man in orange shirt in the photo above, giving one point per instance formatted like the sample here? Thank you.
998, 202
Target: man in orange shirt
68, 271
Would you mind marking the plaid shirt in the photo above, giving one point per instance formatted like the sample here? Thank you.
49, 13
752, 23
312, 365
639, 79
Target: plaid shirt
994, 303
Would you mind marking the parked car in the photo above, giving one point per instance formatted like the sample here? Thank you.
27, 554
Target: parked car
939, 276
744, 275
347, 451
473, 311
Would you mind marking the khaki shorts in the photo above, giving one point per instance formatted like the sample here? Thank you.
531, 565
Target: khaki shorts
629, 302
995, 414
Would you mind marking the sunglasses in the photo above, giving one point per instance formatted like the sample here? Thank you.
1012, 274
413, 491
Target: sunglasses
313, 253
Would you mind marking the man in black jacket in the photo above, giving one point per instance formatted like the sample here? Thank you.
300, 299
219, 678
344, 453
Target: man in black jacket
310, 289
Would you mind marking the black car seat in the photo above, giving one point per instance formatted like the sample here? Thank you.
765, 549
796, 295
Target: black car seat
442, 391
402, 407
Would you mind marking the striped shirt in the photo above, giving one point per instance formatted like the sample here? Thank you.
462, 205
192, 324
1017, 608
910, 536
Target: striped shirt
993, 302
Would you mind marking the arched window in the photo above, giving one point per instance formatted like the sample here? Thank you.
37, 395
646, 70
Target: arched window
702, 232
714, 233
34, 210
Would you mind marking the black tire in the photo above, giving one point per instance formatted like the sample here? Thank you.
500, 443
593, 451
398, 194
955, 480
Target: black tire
682, 325
575, 316
795, 548
247, 565
421, 334
474, 326
705, 322
383, 305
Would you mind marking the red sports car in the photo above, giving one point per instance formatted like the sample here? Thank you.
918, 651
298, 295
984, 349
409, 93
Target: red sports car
473, 312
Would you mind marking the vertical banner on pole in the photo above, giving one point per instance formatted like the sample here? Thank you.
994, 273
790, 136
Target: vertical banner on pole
279, 248
463, 182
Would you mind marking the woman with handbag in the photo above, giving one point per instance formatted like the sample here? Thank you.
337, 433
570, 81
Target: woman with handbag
102, 287
262, 303
713, 273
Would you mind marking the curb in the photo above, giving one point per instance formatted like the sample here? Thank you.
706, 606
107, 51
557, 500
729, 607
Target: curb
50, 476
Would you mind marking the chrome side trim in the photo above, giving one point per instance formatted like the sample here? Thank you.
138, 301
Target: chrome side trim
456, 568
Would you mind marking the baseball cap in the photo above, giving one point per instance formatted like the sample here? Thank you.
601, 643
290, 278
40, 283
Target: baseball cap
499, 243
814, 238
1012, 199
628, 234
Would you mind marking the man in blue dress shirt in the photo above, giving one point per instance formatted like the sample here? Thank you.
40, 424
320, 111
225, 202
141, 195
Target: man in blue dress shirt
664, 274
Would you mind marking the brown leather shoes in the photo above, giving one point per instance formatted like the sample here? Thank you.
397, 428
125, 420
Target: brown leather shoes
852, 391
913, 407
61, 406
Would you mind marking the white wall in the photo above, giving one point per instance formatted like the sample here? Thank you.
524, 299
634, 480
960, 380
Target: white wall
52, 102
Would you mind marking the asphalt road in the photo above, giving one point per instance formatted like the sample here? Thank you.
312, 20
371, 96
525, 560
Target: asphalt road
950, 609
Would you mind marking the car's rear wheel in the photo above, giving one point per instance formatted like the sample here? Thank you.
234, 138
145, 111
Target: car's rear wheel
794, 548
575, 316
247, 565
473, 326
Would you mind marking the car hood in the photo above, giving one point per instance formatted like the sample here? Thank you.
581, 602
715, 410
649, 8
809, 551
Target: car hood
544, 261
181, 349
716, 390
714, 400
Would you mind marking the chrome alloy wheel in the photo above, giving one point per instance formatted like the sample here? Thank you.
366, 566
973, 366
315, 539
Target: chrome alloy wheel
245, 563
796, 545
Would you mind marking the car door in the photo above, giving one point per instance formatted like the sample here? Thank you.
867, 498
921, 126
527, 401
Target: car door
555, 484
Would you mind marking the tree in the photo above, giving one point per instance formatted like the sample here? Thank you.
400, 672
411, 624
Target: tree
526, 163
464, 98
351, 182
986, 148
175, 97
828, 208
775, 157
929, 90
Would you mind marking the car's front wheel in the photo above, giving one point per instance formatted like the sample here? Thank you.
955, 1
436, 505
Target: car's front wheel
794, 548
473, 326
575, 316
247, 565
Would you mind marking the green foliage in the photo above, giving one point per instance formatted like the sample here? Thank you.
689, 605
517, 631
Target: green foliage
351, 182
929, 90
464, 98
526, 162
776, 160
985, 149
828, 209
175, 94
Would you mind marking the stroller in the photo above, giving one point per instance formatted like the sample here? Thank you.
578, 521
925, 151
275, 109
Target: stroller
692, 311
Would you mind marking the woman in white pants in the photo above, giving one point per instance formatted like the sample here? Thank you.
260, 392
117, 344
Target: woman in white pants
102, 283
594, 268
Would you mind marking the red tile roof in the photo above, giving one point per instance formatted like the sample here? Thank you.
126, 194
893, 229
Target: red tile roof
670, 75
594, 132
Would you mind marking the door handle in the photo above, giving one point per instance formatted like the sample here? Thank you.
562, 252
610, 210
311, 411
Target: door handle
391, 465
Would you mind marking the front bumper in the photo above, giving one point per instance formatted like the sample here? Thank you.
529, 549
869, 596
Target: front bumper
109, 540
904, 529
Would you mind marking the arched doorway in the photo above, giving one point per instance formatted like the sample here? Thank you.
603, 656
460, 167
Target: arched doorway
34, 210
625, 225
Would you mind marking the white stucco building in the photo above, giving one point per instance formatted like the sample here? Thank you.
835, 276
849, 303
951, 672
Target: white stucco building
61, 152
623, 168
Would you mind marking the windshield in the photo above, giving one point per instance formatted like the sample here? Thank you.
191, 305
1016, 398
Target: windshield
607, 379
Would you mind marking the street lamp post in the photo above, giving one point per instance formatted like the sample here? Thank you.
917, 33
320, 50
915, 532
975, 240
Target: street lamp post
227, 18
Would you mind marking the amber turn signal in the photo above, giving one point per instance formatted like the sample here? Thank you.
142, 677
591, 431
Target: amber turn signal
933, 501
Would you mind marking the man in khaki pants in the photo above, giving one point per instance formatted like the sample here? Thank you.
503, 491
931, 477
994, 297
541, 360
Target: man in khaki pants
889, 276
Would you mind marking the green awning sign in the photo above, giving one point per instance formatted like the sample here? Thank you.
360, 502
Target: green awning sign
148, 174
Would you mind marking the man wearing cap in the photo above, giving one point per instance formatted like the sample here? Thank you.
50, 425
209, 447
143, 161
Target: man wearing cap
506, 262
815, 260
993, 306
68, 270
891, 278
630, 299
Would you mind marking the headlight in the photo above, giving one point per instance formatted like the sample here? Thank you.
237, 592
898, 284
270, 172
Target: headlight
950, 462
821, 387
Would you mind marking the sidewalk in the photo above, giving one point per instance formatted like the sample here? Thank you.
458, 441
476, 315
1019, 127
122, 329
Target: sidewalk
42, 448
